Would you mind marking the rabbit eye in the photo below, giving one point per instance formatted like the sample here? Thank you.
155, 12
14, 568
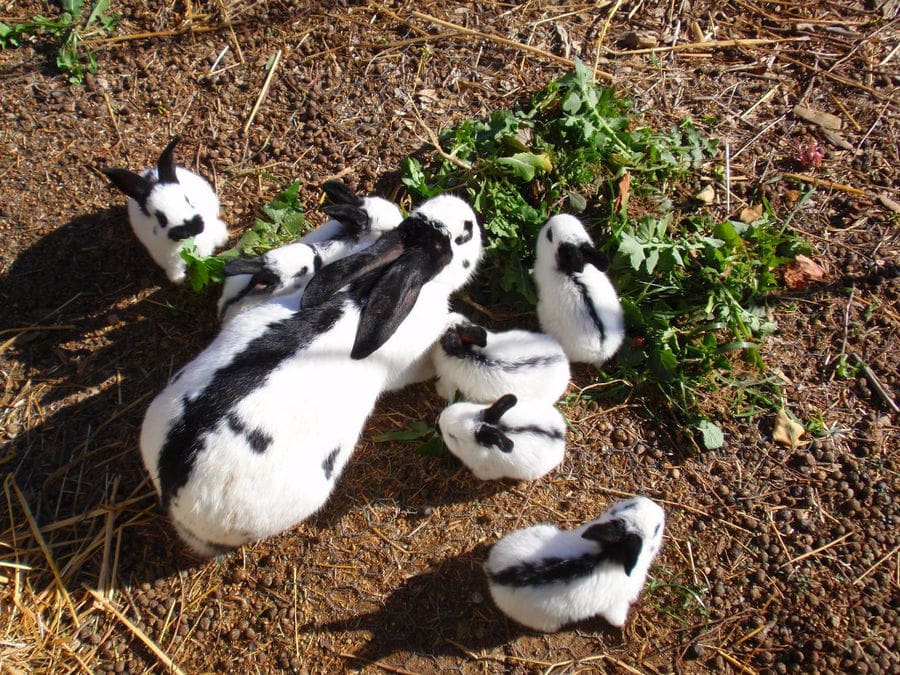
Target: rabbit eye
161, 218
463, 238
188, 201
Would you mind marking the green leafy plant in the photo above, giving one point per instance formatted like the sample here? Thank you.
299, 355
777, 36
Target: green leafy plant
68, 31
693, 288
430, 442
284, 221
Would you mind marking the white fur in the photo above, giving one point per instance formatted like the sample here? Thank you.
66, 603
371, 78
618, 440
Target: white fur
314, 400
533, 366
564, 309
607, 591
181, 201
537, 431
329, 242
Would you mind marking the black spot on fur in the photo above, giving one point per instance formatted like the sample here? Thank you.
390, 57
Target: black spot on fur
548, 571
247, 371
328, 462
592, 311
161, 218
468, 226
550, 234
555, 434
656, 529
190, 228
258, 440
466, 264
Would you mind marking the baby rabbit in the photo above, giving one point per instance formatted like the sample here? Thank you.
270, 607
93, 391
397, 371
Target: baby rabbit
484, 365
287, 269
527, 444
249, 438
167, 205
544, 577
577, 304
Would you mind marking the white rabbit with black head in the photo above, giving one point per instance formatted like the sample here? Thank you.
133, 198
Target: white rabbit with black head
506, 439
577, 303
484, 365
544, 577
355, 223
168, 205
249, 438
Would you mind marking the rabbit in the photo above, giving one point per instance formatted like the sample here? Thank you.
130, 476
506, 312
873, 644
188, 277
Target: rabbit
544, 577
577, 303
506, 439
484, 365
249, 438
287, 269
167, 205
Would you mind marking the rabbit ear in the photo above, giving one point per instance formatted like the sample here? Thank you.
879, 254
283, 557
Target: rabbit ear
489, 436
339, 193
165, 167
353, 218
331, 278
499, 408
393, 297
472, 335
617, 543
594, 257
134, 185
238, 266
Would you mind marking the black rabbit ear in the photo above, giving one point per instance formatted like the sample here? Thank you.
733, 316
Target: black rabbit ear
238, 266
165, 167
618, 545
470, 334
134, 185
569, 258
488, 436
392, 298
331, 278
499, 408
594, 257
353, 218
339, 193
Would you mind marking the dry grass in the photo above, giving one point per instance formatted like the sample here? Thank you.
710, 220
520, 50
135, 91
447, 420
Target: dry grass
387, 577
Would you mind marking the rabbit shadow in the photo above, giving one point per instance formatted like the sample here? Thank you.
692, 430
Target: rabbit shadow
444, 610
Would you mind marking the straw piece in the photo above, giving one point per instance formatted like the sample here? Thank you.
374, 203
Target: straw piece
151, 645
262, 92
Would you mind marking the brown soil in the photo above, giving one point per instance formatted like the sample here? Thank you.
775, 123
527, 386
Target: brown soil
775, 560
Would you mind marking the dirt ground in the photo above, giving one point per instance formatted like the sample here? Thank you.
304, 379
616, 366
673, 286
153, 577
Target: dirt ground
774, 560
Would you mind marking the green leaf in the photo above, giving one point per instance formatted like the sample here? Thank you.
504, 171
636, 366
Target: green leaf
711, 435
633, 249
417, 429
525, 164
100, 7
433, 447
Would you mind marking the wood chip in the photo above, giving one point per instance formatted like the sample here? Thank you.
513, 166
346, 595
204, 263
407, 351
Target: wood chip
837, 140
697, 32
889, 203
707, 195
750, 214
822, 119
639, 40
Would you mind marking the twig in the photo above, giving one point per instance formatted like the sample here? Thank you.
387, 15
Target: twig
821, 182
837, 78
379, 664
508, 43
436, 142
710, 44
602, 34
262, 92
141, 635
733, 661
806, 555
873, 380
862, 576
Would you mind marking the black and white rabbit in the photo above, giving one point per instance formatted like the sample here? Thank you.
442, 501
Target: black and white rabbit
507, 439
577, 303
484, 365
355, 223
166, 206
249, 438
544, 577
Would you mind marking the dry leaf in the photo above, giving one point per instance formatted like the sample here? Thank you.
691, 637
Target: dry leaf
707, 195
818, 117
798, 274
787, 431
622, 197
751, 214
